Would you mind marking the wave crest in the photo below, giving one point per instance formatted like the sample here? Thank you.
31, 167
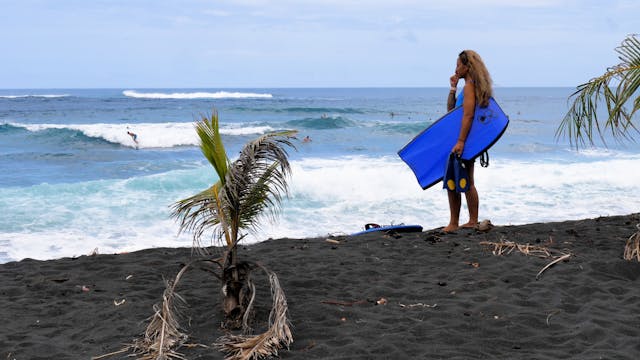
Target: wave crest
150, 135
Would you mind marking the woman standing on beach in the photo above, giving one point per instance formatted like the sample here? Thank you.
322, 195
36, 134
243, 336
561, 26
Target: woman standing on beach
477, 91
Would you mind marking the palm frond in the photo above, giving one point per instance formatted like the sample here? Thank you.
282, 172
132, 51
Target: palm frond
253, 183
211, 143
163, 335
264, 197
616, 89
256, 181
199, 213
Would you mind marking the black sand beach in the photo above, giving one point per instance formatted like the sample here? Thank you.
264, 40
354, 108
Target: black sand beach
441, 297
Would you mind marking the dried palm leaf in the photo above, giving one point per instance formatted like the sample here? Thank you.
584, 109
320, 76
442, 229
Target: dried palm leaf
632, 249
248, 313
163, 334
246, 347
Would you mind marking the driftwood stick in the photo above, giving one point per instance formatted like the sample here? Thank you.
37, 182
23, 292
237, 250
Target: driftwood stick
563, 257
551, 314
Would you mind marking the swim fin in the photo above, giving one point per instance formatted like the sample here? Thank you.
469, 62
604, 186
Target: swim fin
456, 177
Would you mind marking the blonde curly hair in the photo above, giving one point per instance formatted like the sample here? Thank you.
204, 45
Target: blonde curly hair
479, 76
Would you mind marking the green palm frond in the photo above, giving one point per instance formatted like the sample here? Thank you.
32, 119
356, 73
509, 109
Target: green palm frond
199, 213
211, 143
263, 198
256, 181
617, 89
251, 186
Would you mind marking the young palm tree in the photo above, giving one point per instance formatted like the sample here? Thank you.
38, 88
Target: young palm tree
617, 89
251, 186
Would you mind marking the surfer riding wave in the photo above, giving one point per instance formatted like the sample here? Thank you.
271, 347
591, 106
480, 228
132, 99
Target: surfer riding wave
134, 137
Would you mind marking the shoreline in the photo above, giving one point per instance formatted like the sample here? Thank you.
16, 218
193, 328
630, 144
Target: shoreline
446, 296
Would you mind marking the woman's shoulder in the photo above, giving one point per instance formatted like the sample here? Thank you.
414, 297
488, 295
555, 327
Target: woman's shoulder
469, 87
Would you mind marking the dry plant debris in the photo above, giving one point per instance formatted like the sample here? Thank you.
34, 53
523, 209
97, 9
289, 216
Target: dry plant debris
418, 305
507, 247
246, 347
163, 333
632, 249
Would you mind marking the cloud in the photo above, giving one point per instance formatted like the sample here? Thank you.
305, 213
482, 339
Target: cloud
306, 42
216, 12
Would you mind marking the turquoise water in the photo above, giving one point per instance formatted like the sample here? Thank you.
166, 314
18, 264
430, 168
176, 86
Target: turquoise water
73, 180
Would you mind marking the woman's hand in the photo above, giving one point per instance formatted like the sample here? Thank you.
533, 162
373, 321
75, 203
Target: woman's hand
453, 80
458, 148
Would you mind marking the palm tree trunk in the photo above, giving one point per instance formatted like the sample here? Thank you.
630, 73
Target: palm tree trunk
236, 288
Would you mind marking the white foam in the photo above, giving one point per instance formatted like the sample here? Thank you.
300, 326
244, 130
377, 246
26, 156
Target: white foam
328, 196
75, 242
347, 193
196, 95
51, 221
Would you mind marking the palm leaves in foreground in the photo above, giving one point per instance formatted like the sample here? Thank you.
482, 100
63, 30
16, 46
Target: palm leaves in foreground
251, 186
617, 89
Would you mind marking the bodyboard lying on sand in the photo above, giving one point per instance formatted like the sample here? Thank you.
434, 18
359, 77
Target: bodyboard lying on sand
394, 228
428, 152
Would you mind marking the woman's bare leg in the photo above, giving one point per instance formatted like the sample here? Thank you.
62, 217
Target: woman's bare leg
473, 202
455, 201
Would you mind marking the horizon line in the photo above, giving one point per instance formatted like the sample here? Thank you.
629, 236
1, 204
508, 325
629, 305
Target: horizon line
278, 87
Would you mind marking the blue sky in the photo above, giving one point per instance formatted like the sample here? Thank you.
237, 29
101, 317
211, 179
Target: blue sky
305, 43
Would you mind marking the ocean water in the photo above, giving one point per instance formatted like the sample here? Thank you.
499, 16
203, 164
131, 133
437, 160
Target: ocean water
73, 181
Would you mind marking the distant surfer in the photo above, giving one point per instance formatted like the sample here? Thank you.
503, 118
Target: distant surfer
477, 91
134, 136
306, 139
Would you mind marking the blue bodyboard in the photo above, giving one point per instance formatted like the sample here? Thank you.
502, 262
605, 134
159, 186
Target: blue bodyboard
427, 153
394, 228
